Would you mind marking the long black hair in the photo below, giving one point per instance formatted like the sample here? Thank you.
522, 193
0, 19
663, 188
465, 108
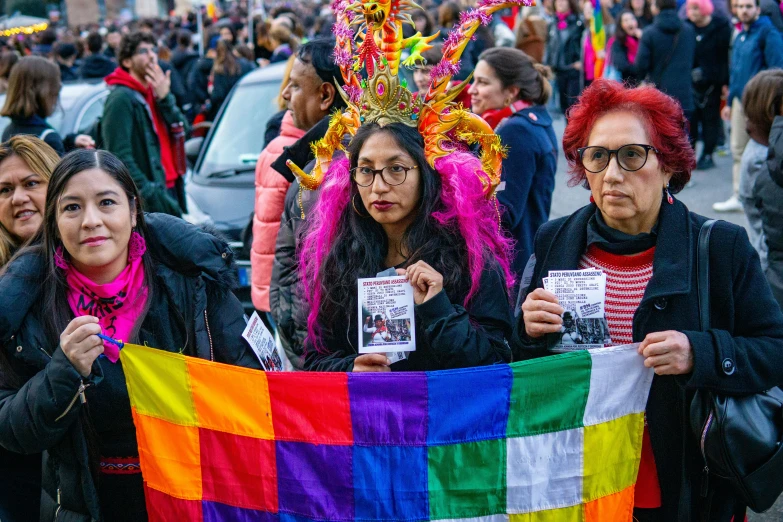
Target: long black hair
360, 246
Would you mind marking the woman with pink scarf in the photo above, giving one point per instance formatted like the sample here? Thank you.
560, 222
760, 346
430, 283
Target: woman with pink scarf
98, 273
625, 45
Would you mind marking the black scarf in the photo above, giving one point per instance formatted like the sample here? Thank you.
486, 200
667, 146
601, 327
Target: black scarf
613, 241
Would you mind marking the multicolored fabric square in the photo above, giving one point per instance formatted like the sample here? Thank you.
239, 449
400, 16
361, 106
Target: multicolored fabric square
556, 439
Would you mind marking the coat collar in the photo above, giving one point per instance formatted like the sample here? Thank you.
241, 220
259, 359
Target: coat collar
673, 261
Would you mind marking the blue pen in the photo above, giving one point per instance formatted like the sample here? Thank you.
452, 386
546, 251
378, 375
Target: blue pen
108, 339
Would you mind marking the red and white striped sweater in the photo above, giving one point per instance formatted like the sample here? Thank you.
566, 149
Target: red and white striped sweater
626, 280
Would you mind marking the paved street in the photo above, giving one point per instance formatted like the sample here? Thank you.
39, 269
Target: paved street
708, 187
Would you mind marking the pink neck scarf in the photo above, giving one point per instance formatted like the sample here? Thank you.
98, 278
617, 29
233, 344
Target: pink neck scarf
562, 23
633, 47
117, 305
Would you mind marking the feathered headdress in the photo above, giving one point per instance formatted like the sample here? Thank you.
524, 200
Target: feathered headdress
380, 97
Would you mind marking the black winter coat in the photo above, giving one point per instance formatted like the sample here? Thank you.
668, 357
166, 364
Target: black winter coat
448, 335
37, 126
222, 85
194, 272
741, 354
712, 53
668, 66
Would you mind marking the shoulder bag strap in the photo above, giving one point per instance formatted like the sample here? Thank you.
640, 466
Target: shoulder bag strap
662, 71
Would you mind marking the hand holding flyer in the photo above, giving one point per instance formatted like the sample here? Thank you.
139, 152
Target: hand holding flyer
386, 319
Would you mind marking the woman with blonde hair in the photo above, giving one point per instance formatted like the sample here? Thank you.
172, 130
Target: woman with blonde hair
33, 92
26, 164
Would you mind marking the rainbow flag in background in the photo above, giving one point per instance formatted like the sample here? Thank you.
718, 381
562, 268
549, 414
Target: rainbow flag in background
598, 37
552, 439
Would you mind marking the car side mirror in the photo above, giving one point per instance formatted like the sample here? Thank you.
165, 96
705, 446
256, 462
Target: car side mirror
192, 148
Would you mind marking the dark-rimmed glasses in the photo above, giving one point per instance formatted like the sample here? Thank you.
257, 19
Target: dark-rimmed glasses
392, 175
630, 157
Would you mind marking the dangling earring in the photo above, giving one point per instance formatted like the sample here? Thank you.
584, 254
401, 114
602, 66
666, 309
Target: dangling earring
353, 204
592, 199
669, 197
136, 246
59, 258
507, 102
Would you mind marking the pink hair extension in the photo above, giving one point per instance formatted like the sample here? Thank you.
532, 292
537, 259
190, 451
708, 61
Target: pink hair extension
476, 219
324, 219
466, 211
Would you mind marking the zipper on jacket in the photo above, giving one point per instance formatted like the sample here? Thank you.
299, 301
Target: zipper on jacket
79, 395
209, 334
705, 473
45, 352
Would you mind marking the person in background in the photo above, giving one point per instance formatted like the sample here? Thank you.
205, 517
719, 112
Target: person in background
183, 58
7, 61
710, 73
169, 286
227, 69
65, 55
531, 36
421, 73
642, 10
564, 51
26, 164
33, 92
312, 96
96, 64
137, 118
761, 196
666, 55
510, 92
283, 42
630, 147
198, 80
757, 47
113, 39
625, 47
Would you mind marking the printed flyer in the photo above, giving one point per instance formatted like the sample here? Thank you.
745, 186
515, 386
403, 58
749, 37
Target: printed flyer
386, 321
582, 293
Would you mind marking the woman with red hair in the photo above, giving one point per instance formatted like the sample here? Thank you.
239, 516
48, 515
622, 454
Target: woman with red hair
630, 148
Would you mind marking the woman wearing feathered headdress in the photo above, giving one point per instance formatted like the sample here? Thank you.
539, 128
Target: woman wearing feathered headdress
410, 196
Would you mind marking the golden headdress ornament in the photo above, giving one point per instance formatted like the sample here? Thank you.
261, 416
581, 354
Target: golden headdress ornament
381, 97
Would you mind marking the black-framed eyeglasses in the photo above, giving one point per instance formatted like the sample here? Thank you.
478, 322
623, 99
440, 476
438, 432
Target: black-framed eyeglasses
630, 157
392, 175
146, 50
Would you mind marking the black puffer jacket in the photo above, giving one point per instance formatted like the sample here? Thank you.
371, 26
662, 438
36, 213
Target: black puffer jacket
741, 354
666, 55
193, 275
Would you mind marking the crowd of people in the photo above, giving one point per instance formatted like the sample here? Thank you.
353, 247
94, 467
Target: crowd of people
93, 248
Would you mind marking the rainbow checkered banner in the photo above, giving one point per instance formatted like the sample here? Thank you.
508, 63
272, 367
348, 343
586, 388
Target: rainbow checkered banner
553, 439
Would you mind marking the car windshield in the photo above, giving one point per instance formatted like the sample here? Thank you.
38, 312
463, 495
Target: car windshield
66, 102
239, 137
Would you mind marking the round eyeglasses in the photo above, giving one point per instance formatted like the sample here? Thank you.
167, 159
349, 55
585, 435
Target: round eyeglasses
630, 157
392, 175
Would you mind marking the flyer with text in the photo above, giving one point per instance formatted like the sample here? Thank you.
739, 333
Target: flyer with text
386, 321
582, 294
